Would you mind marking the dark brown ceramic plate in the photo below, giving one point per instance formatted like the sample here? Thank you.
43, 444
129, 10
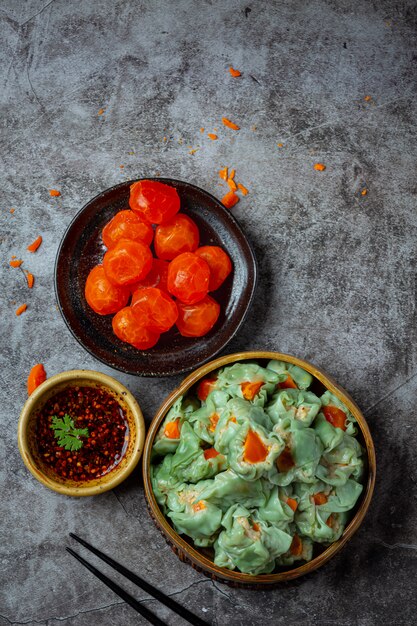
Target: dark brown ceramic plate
82, 248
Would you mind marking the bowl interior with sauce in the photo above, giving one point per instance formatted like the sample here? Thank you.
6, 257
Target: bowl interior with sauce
28, 433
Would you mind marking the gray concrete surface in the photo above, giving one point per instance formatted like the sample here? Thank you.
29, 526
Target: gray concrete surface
337, 267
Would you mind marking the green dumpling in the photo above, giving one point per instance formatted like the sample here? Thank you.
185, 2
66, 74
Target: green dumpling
328, 399
299, 459
300, 550
320, 526
168, 436
188, 449
200, 520
163, 480
181, 495
249, 545
237, 413
248, 381
321, 513
207, 464
277, 511
302, 406
328, 434
299, 376
342, 462
227, 488
343, 497
205, 419
252, 453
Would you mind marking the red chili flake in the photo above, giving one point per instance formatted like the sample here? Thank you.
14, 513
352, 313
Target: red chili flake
99, 412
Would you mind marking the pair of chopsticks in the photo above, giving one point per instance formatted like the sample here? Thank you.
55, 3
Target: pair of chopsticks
150, 589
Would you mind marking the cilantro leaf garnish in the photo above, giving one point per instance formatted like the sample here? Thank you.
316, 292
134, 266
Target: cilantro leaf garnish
67, 435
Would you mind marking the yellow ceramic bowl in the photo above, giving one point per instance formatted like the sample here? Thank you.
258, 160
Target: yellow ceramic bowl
27, 433
199, 558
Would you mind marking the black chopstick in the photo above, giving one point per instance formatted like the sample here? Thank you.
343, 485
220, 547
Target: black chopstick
153, 619
150, 589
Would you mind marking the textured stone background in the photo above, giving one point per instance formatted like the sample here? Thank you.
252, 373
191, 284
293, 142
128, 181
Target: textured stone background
337, 268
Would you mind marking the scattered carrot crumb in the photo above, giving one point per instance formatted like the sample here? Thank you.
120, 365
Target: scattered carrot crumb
280, 145
12, 211
164, 139
364, 192
230, 199
192, 151
367, 98
234, 73
223, 173
30, 279
201, 130
54, 193
121, 166
21, 309
232, 184
212, 136
37, 376
232, 174
14, 256
100, 111
230, 124
319, 167
15, 262
35, 244
243, 189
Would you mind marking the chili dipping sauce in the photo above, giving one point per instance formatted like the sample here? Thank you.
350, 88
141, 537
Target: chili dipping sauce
108, 433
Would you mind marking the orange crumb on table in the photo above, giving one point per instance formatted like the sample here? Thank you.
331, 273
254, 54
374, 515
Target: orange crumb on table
232, 184
164, 139
232, 174
280, 145
234, 73
367, 98
35, 244
54, 193
212, 136
230, 199
21, 309
15, 262
12, 211
30, 279
243, 189
364, 192
37, 376
100, 111
121, 166
320, 167
192, 151
230, 124
201, 130
224, 173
